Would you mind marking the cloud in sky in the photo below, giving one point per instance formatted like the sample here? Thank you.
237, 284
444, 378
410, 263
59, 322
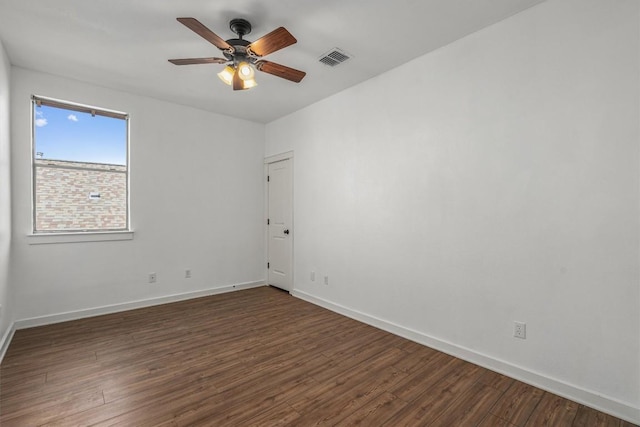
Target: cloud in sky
40, 120
72, 117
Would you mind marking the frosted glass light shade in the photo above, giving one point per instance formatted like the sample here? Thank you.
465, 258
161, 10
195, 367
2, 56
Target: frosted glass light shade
246, 71
248, 84
226, 75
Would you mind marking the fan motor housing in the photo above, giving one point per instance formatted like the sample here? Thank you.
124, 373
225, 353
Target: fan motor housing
239, 46
240, 26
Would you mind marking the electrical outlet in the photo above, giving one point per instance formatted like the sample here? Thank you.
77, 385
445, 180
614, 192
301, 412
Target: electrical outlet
187, 274
313, 276
153, 278
520, 330
326, 280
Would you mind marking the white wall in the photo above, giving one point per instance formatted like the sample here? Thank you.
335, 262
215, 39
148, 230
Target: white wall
196, 202
5, 198
493, 180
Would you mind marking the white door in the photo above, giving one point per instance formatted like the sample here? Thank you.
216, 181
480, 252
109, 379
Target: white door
279, 220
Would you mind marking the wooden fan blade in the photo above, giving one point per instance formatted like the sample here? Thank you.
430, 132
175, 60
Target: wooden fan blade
281, 71
189, 61
238, 84
275, 40
198, 28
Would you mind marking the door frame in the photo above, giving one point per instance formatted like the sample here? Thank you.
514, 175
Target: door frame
268, 160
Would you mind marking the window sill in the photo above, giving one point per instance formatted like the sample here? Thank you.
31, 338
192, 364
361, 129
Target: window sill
101, 236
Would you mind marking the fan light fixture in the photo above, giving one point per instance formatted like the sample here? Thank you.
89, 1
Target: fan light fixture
241, 57
245, 72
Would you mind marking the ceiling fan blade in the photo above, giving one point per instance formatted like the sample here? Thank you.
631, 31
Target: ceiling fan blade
281, 71
238, 84
275, 40
198, 28
189, 61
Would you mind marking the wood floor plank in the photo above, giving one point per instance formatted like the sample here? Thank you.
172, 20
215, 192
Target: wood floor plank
255, 358
59, 360
496, 380
278, 415
517, 403
470, 407
54, 407
228, 404
153, 411
414, 360
21, 384
553, 411
230, 407
430, 374
340, 367
342, 400
587, 417
375, 412
434, 400
375, 374
492, 421
162, 396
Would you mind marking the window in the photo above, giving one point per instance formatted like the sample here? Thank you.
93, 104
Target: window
80, 168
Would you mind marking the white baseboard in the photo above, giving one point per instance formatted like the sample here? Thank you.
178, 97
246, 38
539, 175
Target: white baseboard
592, 399
6, 340
116, 308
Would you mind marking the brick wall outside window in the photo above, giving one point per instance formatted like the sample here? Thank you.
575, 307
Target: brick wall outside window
63, 199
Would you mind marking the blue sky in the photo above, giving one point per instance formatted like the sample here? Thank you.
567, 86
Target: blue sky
71, 135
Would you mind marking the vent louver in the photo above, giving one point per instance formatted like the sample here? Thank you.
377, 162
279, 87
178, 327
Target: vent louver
334, 57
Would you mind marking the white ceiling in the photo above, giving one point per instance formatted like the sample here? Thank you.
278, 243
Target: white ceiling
125, 44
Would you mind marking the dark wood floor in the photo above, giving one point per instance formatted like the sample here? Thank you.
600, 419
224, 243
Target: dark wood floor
256, 358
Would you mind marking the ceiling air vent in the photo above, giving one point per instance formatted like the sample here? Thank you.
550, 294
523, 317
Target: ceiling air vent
334, 57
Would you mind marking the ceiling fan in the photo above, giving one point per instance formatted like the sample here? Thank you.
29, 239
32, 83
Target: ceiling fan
243, 56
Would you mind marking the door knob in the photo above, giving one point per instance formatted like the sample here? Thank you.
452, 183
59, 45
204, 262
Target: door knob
286, 231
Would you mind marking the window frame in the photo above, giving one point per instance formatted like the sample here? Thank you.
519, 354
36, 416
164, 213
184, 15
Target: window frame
78, 235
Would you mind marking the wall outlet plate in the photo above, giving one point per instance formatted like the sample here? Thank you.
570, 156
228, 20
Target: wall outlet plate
187, 274
520, 330
313, 276
153, 278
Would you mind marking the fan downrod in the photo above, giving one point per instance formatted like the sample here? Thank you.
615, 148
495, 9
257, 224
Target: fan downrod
240, 26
